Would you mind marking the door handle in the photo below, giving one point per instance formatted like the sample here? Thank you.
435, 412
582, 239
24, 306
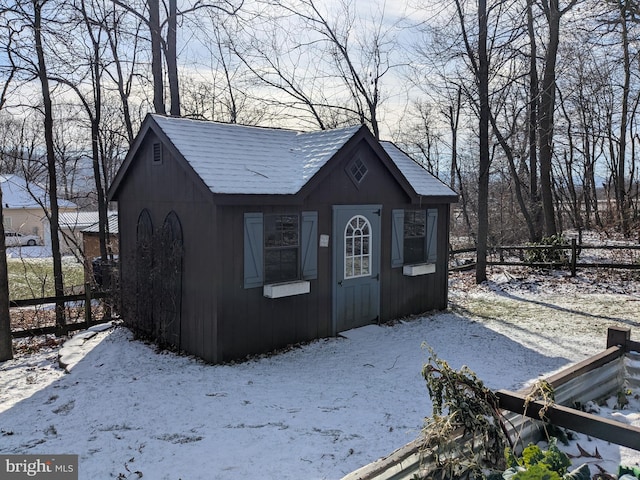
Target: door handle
340, 283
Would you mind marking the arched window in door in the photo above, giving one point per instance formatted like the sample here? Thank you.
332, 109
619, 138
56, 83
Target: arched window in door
357, 248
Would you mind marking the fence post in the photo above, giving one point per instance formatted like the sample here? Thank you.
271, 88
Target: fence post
574, 257
618, 336
87, 304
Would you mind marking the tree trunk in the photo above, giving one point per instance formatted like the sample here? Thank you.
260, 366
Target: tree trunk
514, 175
51, 166
547, 107
123, 89
483, 175
534, 195
454, 120
172, 60
6, 345
621, 189
156, 56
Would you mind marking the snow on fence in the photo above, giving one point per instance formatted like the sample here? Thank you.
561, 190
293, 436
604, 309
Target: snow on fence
516, 256
593, 379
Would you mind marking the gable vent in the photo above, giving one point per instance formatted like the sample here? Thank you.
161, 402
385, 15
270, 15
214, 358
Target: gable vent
157, 153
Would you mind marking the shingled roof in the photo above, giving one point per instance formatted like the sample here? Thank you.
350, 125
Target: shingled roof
237, 159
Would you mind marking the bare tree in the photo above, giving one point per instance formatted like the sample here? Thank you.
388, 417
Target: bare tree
156, 55
223, 91
165, 46
553, 13
532, 124
53, 215
482, 78
115, 29
6, 345
318, 62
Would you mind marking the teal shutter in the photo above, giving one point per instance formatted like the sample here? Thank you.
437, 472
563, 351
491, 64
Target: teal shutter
432, 235
397, 238
253, 250
309, 245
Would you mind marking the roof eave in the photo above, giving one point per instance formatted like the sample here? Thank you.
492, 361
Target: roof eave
150, 124
112, 193
422, 199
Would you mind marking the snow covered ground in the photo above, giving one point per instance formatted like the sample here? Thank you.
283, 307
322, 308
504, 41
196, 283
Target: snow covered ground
317, 411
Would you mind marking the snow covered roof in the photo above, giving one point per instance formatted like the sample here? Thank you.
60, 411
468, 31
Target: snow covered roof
415, 173
238, 159
254, 160
17, 193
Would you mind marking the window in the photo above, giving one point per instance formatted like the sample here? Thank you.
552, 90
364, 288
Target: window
280, 248
414, 238
357, 248
357, 170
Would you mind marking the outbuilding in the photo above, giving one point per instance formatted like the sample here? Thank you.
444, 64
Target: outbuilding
237, 240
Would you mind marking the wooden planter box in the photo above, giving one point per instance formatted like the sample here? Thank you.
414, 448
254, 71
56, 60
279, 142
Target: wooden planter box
595, 379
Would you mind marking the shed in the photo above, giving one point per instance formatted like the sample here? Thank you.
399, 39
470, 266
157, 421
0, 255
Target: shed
237, 240
91, 245
73, 226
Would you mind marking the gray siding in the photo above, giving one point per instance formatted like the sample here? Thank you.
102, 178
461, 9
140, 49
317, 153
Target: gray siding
221, 319
161, 189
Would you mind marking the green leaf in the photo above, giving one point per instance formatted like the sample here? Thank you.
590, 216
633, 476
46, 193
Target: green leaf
532, 455
539, 471
581, 473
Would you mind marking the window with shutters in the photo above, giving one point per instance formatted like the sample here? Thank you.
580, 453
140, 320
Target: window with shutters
414, 240
415, 222
280, 248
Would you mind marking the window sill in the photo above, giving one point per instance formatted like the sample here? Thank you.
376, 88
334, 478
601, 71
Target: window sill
287, 289
419, 269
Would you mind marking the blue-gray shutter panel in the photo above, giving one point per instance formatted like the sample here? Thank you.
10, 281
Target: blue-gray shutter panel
253, 250
309, 245
397, 238
432, 235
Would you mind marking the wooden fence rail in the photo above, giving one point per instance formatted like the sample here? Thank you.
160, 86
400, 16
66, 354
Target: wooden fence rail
85, 297
572, 262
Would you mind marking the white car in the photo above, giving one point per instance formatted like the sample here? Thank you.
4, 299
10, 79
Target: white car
15, 239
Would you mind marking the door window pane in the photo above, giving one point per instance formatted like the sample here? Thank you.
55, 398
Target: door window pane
357, 248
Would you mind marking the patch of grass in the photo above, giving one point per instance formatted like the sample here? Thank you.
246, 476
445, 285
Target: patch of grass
33, 277
486, 308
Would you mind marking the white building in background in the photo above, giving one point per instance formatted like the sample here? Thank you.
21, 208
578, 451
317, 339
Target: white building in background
25, 206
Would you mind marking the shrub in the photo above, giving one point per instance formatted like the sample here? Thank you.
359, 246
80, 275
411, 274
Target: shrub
548, 255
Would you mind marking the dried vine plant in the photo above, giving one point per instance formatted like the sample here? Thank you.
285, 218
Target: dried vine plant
465, 437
